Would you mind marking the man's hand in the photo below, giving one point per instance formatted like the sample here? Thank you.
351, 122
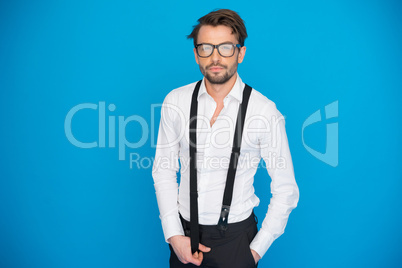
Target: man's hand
256, 256
182, 247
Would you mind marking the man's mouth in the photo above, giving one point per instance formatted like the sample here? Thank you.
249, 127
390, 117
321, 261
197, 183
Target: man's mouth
215, 68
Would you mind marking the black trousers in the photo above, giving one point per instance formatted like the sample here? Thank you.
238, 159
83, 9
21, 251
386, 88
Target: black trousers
231, 250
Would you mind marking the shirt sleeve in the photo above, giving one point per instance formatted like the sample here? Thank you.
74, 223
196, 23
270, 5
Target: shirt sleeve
165, 168
274, 150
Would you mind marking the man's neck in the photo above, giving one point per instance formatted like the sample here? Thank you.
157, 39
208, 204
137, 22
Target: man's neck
219, 91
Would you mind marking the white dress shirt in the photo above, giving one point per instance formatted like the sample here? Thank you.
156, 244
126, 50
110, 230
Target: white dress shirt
264, 137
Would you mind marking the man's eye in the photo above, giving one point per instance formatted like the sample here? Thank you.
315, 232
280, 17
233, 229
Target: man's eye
226, 47
206, 48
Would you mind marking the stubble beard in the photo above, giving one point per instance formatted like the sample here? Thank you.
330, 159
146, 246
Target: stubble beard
219, 79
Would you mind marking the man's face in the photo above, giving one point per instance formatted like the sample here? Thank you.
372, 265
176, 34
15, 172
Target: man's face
215, 68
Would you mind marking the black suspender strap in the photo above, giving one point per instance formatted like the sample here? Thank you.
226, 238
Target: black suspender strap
234, 157
194, 228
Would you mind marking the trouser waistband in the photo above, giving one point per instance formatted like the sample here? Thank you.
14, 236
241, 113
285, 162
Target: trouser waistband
232, 227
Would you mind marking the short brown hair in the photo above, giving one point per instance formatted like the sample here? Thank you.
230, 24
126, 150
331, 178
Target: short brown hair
224, 17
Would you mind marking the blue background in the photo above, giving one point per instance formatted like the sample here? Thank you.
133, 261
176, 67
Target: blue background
64, 206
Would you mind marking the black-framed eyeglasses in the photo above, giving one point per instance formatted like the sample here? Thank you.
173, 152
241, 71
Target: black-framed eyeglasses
225, 50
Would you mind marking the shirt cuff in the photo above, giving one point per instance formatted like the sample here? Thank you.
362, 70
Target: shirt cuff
261, 242
171, 226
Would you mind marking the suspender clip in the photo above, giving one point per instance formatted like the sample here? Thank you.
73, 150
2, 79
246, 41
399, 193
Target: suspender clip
223, 220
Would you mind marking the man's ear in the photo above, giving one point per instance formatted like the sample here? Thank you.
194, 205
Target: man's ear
242, 53
196, 56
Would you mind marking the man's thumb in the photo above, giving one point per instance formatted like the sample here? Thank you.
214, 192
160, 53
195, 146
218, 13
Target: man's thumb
204, 248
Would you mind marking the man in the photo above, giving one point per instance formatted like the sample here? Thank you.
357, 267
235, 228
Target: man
225, 233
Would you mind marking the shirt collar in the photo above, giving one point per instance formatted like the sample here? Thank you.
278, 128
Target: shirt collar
236, 91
